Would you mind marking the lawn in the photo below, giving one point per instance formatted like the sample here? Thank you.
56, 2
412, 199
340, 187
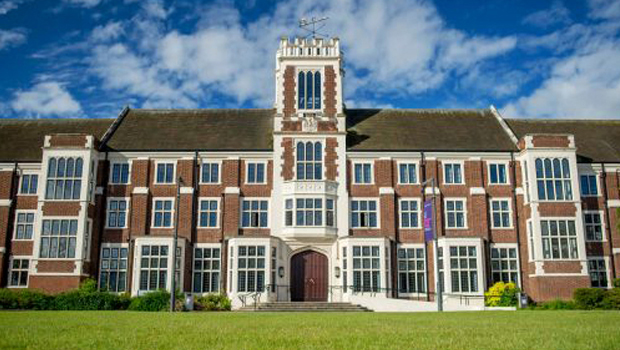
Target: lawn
466, 330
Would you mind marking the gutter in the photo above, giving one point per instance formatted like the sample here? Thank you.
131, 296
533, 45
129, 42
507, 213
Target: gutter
515, 216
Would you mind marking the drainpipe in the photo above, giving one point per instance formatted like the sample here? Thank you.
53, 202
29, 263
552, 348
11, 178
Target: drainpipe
515, 216
4, 281
423, 172
102, 221
608, 223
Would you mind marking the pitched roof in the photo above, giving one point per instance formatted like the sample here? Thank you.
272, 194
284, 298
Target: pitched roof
596, 140
426, 130
22, 139
194, 129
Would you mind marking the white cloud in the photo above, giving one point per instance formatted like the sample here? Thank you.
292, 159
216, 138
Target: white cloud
556, 14
604, 9
9, 5
83, 3
46, 98
391, 47
11, 38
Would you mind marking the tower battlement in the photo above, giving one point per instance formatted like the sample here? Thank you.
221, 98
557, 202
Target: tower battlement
310, 47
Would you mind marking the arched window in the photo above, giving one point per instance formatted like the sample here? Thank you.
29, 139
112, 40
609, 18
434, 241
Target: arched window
64, 178
309, 90
309, 161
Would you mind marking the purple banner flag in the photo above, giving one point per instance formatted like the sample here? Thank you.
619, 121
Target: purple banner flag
429, 235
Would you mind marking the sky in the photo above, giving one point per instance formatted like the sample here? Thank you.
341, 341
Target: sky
529, 58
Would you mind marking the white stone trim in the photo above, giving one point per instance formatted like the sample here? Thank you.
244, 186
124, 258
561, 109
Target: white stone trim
386, 190
232, 190
613, 203
477, 190
5, 202
140, 190
187, 190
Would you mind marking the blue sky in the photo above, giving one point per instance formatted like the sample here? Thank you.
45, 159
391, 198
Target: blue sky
88, 58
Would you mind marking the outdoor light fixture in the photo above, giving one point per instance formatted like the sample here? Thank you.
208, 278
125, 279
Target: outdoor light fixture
337, 272
281, 271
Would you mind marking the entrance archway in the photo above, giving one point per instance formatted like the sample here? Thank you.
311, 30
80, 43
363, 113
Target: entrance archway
309, 276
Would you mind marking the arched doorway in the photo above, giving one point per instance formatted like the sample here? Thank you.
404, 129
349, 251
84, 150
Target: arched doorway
309, 276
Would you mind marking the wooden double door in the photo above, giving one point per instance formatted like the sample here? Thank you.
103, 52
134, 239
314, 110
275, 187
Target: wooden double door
309, 276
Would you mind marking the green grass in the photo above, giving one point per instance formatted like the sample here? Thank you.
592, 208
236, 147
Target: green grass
466, 330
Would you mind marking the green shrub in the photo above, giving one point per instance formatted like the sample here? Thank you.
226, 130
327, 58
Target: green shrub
87, 297
502, 294
612, 299
25, 300
557, 304
616, 282
8, 299
589, 298
213, 302
155, 301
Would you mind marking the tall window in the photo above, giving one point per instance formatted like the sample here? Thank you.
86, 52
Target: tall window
208, 213
559, 239
165, 173
58, 238
594, 227
256, 173
362, 173
309, 212
464, 269
254, 213
455, 213
411, 270
154, 267
440, 268
120, 173
206, 270
113, 276
29, 184
309, 90
309, 161
19, 272
409, 214
24, 225
589, 187
210, 173
407, 173
453, 173
598, 272
162, 213
251, 269
553, 179
64, 178
497, 174
363, 213
366, 268
117, 213
504, 266
500, 212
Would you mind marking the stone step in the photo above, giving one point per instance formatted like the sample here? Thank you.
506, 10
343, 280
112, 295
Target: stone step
305, 307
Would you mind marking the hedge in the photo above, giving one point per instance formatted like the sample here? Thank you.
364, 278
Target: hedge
213, 302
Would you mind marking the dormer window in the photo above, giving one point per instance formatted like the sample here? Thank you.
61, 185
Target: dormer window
309, 90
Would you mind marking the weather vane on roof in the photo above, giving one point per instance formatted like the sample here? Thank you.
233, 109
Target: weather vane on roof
315, 23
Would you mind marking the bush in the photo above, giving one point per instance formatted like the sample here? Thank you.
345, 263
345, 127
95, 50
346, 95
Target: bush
87, 297
612, 299
557, 304
24, 300
502, 294
589, 298
616, 282
213, 302
156, 301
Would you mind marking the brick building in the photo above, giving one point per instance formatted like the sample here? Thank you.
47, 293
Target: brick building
310, 200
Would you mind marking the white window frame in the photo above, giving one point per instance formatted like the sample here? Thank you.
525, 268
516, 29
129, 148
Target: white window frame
601, 214
419, 212
509, 270
267, 199
408, 164
576, 237
597, 179
129, 164
607, 270
416, 270
372, 172
34, 223
447, 268
107, 212
380, 270
553, 180
21, 270
21, 181
314, 162
174, 172
247, 172
209, 271
306, 69
118, 246
172, 210
38, 245
236, 256
378, 211
505, 164
217, 213
461, 164
219, 172
510, 220
324, 211
465, 213
85, 172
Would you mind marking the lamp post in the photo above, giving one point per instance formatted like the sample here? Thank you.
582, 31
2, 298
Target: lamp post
174, 245
431, 181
